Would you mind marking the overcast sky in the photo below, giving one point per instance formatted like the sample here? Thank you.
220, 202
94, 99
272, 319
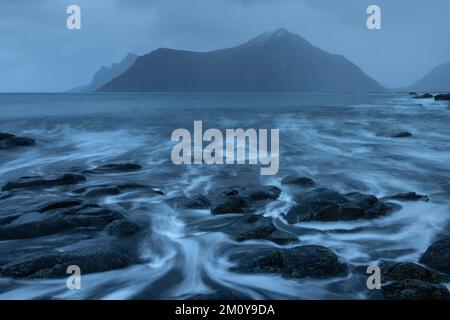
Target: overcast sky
38, 52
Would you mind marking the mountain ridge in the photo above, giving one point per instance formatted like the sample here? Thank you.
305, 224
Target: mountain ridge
277, 61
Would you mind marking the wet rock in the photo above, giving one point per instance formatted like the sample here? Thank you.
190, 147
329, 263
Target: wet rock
102, 192
413, 93
39, 182
53, 263
424, 96
197, 203
230, 204
412, 289
296, 263
364, 201
403, 134
323, 204
57, 220
407, 270
240, 199
60, 205
442, 97
298, 181
115, 168
408, 196
122, 228
264, 193
437, 256
4, 135
8, 140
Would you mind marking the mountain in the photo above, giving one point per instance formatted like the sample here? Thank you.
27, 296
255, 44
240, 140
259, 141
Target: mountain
278, 61
105, 74
437, 80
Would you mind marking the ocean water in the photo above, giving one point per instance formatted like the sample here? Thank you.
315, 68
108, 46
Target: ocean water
342, 141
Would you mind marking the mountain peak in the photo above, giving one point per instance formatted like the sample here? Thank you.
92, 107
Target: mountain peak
281, 34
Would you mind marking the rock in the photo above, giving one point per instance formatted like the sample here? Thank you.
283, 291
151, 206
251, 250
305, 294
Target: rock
442, 97
256, 227
298, 181
413, 93
295, 263
363, 201
408, 196
57, 220
122, 228
323, 204
4, 135
437, 256
407, 270
60, 205
424, 96
53, 264
197, 202
8, 140
412, 289
240, 199
102, 192
403, 134
39, 182
230, 204
264, 193
115, 168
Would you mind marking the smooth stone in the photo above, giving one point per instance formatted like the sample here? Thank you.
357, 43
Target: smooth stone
39, 182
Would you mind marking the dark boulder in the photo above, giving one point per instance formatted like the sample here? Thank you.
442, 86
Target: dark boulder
54, 264
327, 205
412, 289
442, 97
295, 263
407, 270
298, 181
39, 182
437, 256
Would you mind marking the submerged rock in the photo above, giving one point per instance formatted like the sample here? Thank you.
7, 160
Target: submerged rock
298, 181
262, 228
403, 134
240, 199
412, 289
295, 263
197, 202
8, 140
408, 196
53, 263
115, 168
424, 96
327, 205
122, 228
437, 256
40, 182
